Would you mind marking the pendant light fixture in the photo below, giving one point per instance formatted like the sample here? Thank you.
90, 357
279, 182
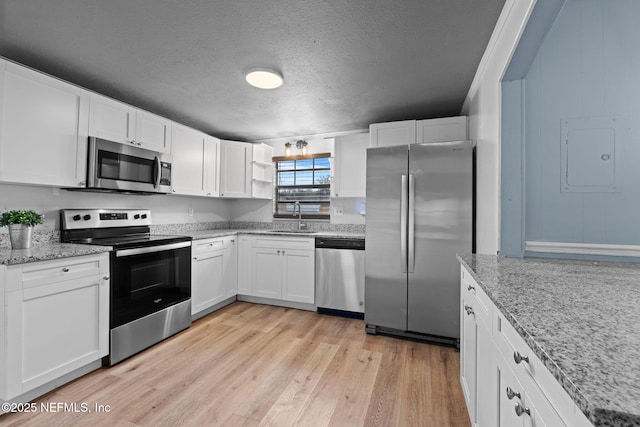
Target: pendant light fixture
264, 78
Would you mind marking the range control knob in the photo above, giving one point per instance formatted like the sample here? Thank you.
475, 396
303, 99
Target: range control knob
87, 217
76, 217
136, 216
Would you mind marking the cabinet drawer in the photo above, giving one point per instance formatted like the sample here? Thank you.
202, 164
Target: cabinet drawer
533, 374
284, 242
46, 272
207, 245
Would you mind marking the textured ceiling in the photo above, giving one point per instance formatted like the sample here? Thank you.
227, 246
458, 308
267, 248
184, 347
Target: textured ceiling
346, 63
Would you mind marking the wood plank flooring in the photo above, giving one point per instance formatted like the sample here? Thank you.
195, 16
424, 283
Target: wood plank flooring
258, 365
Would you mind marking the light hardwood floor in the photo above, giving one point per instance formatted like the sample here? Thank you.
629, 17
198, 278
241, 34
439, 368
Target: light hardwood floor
258, 365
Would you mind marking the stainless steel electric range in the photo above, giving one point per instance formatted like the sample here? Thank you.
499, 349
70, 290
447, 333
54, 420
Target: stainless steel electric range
150, 296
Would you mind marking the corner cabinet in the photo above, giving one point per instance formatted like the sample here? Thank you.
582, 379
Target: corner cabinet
196, 162
56, 320
504, 383
214, 273
235, 169
418, 131
43, 129
119, 122
350, 166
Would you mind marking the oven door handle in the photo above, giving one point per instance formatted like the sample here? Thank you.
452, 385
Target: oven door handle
151, 249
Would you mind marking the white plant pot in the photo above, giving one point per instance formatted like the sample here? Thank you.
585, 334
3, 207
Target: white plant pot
20, 236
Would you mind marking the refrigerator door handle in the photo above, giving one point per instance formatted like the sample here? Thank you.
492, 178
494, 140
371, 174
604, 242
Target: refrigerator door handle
404, 207
411, 226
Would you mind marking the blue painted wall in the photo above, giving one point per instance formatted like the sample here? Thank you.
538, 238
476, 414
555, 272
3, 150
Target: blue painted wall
587, 66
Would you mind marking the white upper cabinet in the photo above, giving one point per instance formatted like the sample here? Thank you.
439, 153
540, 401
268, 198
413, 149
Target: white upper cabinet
442, 130
262, 172
350, 165
418, 131
153, 132
119, 122
43, 129
235, 169
196, 162
392, 133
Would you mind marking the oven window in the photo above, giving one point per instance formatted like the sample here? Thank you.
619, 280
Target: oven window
146, 283
122, 167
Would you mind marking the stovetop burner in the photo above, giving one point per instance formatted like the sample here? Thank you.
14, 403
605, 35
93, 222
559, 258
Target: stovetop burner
109, 227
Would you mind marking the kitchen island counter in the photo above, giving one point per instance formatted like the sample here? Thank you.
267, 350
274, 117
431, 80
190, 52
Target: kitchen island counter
582, 319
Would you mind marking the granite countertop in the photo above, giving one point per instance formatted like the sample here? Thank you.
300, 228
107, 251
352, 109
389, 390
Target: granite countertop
208, 234
582, 319
48, 251
42, 251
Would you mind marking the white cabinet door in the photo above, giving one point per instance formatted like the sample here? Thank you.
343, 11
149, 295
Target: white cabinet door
231, 267
486, 379
245, 265
268, 273
468, 352
214, 272
262, 172
212, 166
392, 133
442, 130
119, 122
153, 132
299, 272
55, 326
235, 169
208, 281
112, 120
350, 165
187, 167
43, 129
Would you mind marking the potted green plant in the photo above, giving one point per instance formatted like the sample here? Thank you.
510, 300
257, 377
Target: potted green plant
20, 224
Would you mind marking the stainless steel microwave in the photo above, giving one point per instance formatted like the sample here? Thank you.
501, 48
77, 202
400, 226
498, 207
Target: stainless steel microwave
119, 167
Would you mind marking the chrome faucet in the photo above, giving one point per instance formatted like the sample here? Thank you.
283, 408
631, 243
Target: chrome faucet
297, 205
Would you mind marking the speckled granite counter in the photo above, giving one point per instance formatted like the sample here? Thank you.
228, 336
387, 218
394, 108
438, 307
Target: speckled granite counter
582, 319
48, 251
208, 234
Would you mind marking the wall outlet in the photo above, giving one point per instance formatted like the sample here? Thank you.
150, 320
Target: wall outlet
190, 211
338, 211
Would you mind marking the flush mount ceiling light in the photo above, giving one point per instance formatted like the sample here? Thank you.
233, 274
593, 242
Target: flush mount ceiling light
264, 78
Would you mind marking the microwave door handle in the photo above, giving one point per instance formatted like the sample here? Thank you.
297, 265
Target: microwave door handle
157, 172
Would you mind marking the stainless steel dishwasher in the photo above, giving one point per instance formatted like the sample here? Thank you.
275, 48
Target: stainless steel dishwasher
340, 276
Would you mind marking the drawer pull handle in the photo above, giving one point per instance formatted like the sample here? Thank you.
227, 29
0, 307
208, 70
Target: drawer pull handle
105, 278
471, 288
519, 358
511, 394
522, 410
65, 270
469, 309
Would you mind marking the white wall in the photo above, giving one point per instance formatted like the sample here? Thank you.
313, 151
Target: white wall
482, 105
165, 209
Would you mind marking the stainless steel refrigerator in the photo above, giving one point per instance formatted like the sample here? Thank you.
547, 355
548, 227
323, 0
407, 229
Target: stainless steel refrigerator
419, 215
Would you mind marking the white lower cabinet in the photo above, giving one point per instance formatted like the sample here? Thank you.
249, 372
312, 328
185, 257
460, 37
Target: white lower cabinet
280, 268
214, 273
56, 320
504, 383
